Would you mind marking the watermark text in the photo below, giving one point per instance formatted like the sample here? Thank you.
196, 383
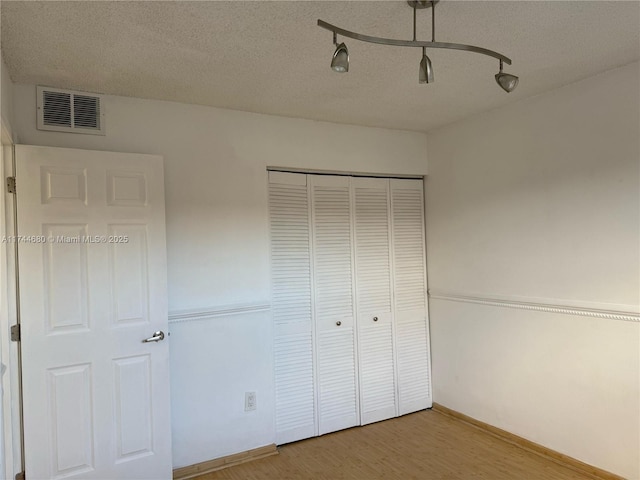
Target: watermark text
71, 239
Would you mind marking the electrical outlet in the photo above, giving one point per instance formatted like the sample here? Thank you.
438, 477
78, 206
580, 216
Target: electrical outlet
250, 402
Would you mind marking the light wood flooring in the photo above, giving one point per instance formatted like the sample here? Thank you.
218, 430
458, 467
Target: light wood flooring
423, 445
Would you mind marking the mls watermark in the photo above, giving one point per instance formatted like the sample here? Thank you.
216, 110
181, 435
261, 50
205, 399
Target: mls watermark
64, 239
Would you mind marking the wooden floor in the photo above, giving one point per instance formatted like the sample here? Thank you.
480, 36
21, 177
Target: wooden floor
423, 445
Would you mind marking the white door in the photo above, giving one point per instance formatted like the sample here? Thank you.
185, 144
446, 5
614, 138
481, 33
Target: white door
92, 288
374, 299
292, 306
410, 287
334, 309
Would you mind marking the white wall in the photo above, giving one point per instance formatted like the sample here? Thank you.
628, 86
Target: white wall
539, 202
216, 204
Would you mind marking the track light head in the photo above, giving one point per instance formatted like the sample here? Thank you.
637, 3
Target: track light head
340, 60
426, 69
506, 81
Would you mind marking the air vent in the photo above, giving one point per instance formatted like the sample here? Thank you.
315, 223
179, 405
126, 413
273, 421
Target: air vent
57, 109
67, 111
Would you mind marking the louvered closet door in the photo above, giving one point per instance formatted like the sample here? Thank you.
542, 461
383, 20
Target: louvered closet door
333, 285
374, 301
291, 305
410, 287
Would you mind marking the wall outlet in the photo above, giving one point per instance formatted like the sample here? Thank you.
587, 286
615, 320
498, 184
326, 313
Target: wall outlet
250, 401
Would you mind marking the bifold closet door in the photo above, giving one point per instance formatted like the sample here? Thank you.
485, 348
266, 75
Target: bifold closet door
336, 378
374, 299
342, 246
292, 306
410, 287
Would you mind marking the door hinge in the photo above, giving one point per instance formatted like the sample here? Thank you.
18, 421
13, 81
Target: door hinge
15, 332
20, 476
11, 184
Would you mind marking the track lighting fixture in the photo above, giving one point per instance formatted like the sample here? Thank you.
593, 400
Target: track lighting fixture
340, 60
506, 81
426, 70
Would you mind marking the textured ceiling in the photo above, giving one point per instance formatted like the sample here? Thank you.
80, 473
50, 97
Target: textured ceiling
270, 56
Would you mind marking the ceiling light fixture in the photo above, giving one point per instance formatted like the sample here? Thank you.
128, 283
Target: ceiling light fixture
426, 69
506, 81
340, 60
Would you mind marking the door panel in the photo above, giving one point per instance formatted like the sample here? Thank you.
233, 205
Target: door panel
71, 413
129, 274
374, 300
66, 296
333, 282
377, 375
93, 286
336, 380
413, 362
134, 436
410, 284
292, 306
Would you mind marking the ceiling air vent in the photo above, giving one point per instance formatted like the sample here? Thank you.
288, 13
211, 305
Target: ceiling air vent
67, 111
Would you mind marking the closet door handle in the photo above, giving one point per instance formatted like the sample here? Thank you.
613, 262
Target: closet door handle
375, 319
338, 323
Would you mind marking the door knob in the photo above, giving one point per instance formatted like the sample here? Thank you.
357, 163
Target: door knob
156, 337
338, 323
375, 319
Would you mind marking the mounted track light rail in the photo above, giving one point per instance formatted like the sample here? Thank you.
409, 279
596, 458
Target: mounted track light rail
340, 61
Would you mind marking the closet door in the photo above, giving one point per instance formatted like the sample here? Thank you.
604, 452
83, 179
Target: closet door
410, 288
292, 306
334, 316
374, 300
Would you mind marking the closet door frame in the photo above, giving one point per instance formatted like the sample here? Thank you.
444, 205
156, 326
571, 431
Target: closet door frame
310, 175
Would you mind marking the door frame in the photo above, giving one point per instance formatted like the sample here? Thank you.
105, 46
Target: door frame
12, 450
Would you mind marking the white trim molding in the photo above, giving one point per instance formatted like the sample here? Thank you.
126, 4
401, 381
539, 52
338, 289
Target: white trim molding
627, 316
179, 316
